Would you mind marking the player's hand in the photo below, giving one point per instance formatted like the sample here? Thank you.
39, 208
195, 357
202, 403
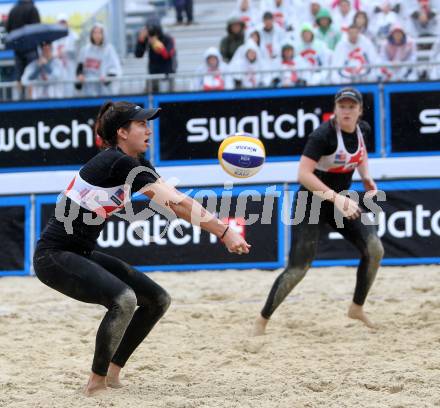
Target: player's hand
81, 78
235, 243
370, 187
349, 208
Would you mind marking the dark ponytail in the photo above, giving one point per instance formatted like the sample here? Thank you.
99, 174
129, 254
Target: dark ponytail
106, 126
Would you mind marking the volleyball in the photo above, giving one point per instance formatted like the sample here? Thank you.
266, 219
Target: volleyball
241, 155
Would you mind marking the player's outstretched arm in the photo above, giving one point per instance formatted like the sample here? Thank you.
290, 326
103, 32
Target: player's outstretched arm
192, 211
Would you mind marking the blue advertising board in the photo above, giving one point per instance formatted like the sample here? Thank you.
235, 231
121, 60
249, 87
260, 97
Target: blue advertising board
193, 124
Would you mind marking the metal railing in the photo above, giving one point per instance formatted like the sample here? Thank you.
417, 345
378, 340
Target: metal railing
184, 81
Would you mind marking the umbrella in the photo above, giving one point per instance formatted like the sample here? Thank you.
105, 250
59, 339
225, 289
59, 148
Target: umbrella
30, 36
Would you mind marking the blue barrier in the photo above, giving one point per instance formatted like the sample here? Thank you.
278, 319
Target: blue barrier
17, 251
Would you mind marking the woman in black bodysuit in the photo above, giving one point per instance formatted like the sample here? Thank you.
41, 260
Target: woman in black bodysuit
332, 153
65, 258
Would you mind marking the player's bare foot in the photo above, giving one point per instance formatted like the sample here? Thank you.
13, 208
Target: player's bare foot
260, 326
357, 312
113, 373
95, 386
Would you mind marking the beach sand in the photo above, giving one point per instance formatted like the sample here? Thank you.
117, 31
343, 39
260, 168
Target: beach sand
201, 355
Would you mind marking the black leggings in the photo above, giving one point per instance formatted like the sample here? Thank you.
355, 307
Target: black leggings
102, 279
305, 237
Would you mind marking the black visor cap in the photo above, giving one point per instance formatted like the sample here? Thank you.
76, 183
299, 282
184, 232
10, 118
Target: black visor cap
138, 113
349, 93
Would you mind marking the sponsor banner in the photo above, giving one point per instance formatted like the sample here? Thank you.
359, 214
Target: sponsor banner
281, 118
155, 242
14, 235
409, 227
412, 118
56, 135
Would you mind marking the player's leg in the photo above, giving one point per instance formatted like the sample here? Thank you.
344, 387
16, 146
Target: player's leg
82, 279
305, 238
364, 237
153, 302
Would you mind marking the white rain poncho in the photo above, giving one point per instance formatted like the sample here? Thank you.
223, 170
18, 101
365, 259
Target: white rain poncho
209, 78
66, 50
356, 60
315, 54
283, 15
272, 40
50, 72
404, 52
249, 75
249, 17
100, 61
288, 74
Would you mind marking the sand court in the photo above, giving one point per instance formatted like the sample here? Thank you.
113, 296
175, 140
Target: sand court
200, 354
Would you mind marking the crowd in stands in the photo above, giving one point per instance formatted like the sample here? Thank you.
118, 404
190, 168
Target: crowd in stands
62, 69
276, 43
292, 41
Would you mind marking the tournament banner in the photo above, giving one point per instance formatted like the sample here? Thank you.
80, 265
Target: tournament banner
157, 242
193, 125
409, 226
412, 119
49, 135
14, 235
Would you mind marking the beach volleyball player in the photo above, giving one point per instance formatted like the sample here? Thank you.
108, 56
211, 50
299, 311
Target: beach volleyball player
332, 153
65, 258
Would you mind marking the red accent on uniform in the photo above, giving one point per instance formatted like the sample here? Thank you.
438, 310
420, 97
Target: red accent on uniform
69, 187
105, 210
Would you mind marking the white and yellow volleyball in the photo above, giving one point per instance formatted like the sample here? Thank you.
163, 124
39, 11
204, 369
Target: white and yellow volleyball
241, 155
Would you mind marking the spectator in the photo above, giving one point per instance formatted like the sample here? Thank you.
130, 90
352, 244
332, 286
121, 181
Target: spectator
24, 12
246, 13
288, 65
282, 12
343, 15
256, 37
355, 53
46, 68
326, 32
424, 20
399, 49
98, 61
384, 18
361, 20
162, 56
272, 36
212, 75
66, 50
315, 54
233, 40
184, 6
246, 67
306, 13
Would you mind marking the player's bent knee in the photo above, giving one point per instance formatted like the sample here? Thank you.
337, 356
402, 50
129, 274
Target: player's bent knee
127, 302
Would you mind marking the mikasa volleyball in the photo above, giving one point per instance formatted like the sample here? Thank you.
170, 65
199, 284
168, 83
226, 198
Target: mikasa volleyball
241, 155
